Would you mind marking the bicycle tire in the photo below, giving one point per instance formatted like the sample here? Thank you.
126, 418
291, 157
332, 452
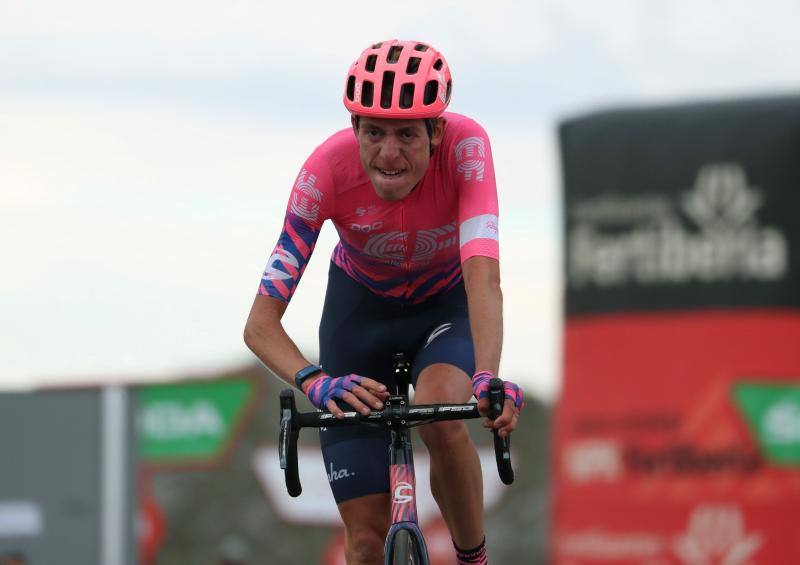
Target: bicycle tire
405, 550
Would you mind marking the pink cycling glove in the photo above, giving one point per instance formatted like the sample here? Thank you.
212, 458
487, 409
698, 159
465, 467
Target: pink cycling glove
325, 388
480, 388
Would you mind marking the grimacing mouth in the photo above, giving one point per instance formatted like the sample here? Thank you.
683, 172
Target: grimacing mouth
390, 172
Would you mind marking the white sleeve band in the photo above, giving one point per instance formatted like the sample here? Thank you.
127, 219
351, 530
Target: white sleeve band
478, 227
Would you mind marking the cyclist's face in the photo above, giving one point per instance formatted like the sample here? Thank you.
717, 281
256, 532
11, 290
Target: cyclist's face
395, 153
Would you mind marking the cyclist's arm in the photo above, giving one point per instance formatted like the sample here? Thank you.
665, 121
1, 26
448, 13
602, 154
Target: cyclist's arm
478, 236
265, 336
485, 303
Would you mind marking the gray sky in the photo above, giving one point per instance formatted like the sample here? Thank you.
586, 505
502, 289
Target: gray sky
147, 150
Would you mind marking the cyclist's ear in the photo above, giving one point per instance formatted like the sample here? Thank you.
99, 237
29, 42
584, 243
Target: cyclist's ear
437, 132
354, 122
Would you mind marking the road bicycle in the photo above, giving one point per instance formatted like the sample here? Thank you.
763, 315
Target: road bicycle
404, 542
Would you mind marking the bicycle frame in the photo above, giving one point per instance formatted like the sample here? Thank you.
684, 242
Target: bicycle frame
403, 489
399, 416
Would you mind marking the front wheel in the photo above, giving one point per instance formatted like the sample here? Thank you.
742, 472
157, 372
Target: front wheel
406, 550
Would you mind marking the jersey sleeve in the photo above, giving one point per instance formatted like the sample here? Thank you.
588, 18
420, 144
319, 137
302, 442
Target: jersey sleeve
305, 214
473, 172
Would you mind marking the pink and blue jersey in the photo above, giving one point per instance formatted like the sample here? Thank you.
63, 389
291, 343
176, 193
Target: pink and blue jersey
407, 250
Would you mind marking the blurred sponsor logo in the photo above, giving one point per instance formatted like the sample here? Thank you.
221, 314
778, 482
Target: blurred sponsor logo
773, 413
716, 534
710, 234
593, 460
686, 459
782, 423
605, 545
173, 420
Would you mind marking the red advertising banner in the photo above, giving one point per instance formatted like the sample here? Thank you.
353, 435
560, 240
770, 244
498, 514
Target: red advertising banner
677, 434
658, 457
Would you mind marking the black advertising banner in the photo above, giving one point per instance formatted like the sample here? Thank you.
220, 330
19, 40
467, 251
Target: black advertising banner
683, 207
677, 434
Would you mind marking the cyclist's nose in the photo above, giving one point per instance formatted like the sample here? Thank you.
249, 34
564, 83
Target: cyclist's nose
390, 148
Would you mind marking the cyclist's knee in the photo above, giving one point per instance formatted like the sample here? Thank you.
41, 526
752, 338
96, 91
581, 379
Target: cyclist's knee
444, 435
364, 546
366, 521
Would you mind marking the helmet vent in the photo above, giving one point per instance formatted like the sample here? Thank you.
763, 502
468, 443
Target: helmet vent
367, 92
438, 65
377, 45
431, 88
387, 86
413, 65
394, 54
420, 47
449, 90
407, 95
351, 87
371, 60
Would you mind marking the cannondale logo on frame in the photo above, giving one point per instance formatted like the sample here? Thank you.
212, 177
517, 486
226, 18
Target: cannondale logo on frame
470, 156
403, 493
306, 199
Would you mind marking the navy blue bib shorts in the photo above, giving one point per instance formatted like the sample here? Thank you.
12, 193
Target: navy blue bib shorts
359, 332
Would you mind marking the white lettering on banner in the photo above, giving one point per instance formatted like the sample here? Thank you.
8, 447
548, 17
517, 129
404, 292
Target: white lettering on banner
272, 272
484, 226
470, 156
593, 460
782, 423
400, 496
610, 546
710, 234
306, 199
716, 534
173, 420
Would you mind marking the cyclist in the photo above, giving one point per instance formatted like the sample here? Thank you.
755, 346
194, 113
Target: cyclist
411, 192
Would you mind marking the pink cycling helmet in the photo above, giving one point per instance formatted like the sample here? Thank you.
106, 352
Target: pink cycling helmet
398, 79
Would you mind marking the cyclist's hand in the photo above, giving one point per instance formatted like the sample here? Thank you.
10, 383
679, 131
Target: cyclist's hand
361, 393
507, 421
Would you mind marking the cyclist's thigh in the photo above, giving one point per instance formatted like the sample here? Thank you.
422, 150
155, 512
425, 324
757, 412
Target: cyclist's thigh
356, 461
355, 337
355, 333
447, 337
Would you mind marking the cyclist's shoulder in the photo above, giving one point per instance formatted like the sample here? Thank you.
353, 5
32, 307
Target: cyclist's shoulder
459, 126
342, 143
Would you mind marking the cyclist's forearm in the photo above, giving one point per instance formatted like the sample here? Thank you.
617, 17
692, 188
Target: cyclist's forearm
485, 302
265, 336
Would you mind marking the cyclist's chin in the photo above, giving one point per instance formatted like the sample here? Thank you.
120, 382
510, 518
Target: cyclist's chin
391, 190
